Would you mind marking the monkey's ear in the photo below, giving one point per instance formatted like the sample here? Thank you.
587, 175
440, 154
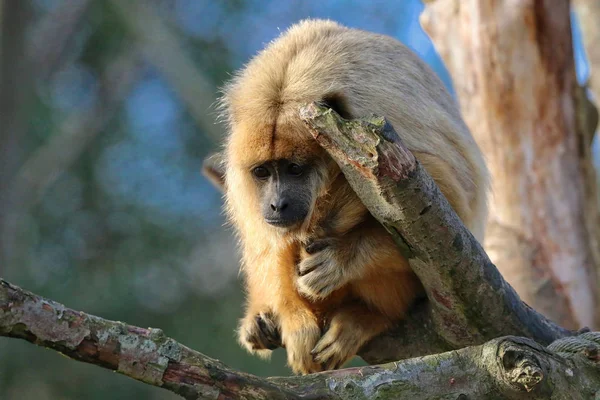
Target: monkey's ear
213, 168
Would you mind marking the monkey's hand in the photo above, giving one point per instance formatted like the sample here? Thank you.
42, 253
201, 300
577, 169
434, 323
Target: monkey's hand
322, 269
260, 333
300, 335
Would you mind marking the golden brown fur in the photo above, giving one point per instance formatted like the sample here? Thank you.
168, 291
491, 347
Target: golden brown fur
358, 284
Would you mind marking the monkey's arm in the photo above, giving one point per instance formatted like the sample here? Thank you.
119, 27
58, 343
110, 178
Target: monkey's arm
258, 331
276, 315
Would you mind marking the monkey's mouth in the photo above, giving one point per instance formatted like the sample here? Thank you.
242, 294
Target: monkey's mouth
281, 223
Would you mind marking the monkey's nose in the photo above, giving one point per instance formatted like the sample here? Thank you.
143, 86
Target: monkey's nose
279, 205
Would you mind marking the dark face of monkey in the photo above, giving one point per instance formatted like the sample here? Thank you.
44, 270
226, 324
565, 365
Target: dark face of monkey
285, 192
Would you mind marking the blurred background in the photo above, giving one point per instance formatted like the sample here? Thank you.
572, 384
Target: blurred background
106, 113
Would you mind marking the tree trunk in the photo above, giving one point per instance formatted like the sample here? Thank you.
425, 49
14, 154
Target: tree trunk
513, 70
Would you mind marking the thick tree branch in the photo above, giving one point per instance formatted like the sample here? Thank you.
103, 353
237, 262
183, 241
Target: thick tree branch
506, 367
469, 300
143, 354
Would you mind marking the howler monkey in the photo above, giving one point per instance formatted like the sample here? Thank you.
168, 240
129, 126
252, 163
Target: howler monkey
322, 275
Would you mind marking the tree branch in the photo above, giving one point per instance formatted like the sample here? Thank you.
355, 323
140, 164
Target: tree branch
143, 354
507, 367
469, 300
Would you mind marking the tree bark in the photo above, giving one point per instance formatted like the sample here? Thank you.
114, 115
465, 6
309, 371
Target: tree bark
513, 70
504, 368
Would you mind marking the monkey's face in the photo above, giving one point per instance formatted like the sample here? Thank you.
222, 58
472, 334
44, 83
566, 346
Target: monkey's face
276, 175
285, 190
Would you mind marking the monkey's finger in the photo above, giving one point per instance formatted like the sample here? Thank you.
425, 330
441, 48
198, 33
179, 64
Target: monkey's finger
330, 362
325, 290
316, 246
274, 340
304, 270
332, 357
325, 342
328, 357
273, 336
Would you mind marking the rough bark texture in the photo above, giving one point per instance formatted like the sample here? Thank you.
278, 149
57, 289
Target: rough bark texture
513, 70
504, 368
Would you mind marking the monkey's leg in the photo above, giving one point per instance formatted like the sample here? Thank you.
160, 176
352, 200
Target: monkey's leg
350, 327
300, 328
300, 333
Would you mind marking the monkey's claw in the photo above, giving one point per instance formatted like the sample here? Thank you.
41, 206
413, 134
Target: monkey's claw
261, 332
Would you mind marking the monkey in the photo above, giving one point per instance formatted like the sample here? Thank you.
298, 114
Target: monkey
322, 275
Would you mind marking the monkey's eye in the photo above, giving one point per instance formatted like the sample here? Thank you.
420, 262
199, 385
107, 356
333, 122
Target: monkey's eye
295, 170
261, 172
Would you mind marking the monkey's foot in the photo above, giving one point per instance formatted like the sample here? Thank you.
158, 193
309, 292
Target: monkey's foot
298, 344
260, 333
320, 273
348, 330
